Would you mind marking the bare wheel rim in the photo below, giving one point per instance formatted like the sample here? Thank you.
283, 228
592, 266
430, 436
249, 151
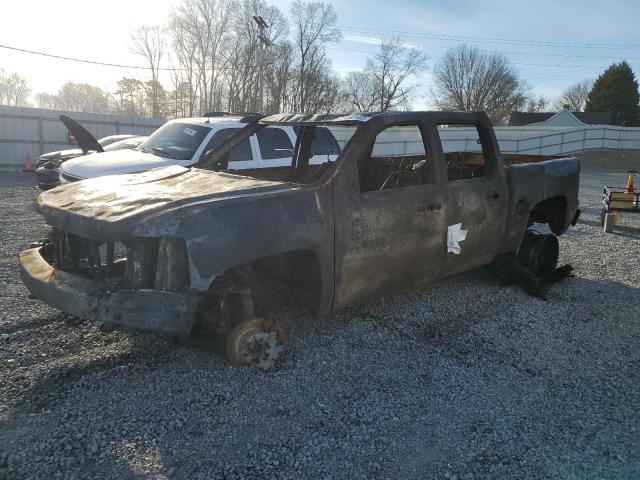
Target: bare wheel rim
256, 341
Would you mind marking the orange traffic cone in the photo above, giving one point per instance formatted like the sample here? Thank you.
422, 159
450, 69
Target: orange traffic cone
28, 163
630, 188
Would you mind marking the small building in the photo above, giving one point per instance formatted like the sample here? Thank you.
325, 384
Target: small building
563, 118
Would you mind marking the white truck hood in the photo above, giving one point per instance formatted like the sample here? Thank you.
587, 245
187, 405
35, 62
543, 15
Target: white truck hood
111, 163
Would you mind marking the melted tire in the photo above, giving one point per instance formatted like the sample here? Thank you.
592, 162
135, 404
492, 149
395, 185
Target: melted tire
539, 252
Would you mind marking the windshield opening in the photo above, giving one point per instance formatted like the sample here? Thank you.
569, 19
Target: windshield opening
287, 152
178, 141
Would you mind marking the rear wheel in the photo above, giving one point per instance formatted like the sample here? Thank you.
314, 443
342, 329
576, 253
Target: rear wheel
539, 252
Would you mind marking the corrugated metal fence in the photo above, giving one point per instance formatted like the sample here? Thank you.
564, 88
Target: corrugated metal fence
561, 141
35, 131
525, 140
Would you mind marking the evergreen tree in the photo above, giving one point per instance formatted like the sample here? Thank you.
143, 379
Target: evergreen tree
616, 91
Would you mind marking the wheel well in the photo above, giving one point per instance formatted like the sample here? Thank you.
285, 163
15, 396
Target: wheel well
552, 211
289, 277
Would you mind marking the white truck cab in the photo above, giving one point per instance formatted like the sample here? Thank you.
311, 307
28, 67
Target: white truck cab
184, 141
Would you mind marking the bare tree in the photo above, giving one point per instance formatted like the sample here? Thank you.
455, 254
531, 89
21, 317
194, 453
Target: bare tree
222, 60
359, 90
383, 83
248, 60
324, 88
468, 79
315, 26
279, 76
130, 97
148, 42
530, 103
214, 17
575, 97
183, 27
82, 97
45, 100
540, 104
14, 89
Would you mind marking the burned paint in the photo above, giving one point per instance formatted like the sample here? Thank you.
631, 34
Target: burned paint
326, 229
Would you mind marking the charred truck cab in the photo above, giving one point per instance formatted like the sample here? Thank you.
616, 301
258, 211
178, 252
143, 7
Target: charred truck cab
409, 199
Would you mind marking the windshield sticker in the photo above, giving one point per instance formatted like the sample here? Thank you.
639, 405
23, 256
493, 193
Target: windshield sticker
189, 131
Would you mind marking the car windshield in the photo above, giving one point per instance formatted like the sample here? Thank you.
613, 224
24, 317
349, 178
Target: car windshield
177, 140
124, 144
105, 141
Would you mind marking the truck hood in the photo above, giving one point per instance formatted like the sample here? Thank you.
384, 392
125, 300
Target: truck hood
86, 141
110, 208
111, 163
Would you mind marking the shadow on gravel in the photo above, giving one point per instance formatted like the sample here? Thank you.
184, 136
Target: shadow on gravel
36, 323
18, 179
591, 223
623, 231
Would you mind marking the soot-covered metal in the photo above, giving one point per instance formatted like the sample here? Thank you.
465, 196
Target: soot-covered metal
212, 244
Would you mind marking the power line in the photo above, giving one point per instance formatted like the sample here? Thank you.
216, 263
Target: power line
95, 62
139, 67
507, 52
514, 63
494, 40
71, 59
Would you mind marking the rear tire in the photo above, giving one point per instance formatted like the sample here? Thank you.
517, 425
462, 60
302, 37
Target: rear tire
539, 252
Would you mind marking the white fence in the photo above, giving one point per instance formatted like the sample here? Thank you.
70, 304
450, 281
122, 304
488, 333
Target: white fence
524, 140
34, 131
571, 140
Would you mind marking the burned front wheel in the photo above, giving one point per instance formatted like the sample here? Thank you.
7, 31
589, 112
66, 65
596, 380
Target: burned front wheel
256, 341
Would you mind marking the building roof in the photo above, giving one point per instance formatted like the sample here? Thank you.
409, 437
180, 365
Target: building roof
594, 118
519, 119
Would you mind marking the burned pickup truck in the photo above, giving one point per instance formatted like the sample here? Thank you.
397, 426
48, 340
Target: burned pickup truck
412, 197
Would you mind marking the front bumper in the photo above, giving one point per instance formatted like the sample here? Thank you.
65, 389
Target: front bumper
47, 178
145, 309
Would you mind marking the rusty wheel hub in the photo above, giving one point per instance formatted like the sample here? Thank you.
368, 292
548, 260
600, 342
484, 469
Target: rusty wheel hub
256, 341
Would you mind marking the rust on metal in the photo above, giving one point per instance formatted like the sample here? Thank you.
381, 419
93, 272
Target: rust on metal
151, 250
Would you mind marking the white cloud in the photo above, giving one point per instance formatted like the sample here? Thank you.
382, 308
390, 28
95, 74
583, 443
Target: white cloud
379, 41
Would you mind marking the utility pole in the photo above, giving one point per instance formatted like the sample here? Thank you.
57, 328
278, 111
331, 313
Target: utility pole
262, 47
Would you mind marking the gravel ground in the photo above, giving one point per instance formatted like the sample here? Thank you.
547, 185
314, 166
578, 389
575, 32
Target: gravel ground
465, 380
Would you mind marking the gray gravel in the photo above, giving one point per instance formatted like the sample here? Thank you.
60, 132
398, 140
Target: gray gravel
465, 380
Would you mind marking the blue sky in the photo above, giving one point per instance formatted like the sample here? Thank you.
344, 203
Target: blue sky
551, 43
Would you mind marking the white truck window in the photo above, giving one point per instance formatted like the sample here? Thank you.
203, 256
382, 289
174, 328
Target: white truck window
274, 143
324, 143
241, 153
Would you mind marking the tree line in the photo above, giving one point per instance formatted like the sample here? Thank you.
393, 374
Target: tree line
245, 56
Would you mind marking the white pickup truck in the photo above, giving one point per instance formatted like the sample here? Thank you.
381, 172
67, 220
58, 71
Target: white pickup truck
185, 141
